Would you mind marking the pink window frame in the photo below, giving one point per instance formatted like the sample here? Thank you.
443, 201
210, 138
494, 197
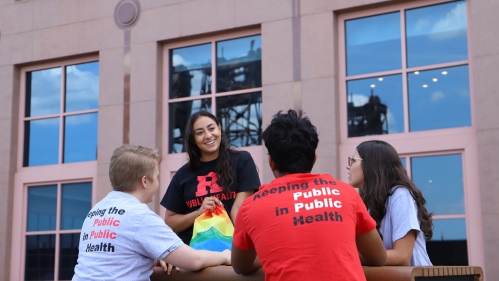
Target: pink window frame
432, 142
42, 175
172, 162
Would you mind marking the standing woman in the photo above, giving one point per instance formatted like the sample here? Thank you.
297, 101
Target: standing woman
215, 174
393, 201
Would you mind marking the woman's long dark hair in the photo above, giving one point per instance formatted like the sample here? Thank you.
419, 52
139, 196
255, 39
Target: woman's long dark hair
224, 165
382, 171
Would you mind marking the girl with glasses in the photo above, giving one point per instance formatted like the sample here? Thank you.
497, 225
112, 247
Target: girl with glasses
393, 201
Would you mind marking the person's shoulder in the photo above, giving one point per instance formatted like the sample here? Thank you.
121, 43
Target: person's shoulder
400, 190
240, 156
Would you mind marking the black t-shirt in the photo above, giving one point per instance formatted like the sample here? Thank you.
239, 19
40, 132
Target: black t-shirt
188, 188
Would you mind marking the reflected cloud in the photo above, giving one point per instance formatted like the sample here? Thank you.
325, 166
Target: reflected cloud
437, 96
453, 20
82, 86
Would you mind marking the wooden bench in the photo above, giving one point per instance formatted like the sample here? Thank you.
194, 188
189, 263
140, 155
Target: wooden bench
384, 273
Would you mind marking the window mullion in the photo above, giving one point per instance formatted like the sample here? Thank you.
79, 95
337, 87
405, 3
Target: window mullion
213, 77
405, 92
61, 114
57, 234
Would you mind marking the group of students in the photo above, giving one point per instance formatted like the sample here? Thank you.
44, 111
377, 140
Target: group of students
300, 223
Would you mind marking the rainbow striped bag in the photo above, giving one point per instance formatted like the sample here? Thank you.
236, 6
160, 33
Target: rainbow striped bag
213, 230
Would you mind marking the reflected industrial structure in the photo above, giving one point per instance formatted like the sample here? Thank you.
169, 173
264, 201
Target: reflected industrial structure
240, 115
367, 119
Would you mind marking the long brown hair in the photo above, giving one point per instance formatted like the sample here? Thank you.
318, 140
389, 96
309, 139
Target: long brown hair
383, 170
224, 166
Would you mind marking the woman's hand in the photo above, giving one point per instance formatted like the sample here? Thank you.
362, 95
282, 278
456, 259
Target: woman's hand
209, 203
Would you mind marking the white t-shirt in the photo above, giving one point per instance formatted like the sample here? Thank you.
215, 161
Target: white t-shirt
121, 239
401, 217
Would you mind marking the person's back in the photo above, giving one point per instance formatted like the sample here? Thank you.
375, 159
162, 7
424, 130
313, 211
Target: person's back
303, 225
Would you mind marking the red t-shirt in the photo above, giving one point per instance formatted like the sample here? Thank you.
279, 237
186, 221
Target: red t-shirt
303, 226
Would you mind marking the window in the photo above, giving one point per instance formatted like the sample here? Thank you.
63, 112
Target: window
54, 218
448, 245
415, 54
405, 79
60, 120
222, 76
57, 167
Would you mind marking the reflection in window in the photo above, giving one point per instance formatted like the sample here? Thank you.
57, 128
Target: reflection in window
76, 202
42, 206
43, 92
68, 255
241, 118
80, 138
437, 34
82, 86
41, 139
448, 245
190, 71
239, 64
179, 114
373, 44
43, 131
375, 106
440, 178
238, 68
439, 98
40, 257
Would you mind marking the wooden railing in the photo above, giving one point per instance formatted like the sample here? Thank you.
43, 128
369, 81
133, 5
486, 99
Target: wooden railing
384, 273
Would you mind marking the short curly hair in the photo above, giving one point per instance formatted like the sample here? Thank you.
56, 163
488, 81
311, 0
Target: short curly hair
291, 141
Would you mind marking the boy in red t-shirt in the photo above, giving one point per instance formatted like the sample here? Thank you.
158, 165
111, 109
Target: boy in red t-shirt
303, 225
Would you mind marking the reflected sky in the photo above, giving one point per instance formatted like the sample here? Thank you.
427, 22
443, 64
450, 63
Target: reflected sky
389, 91
373, 44
42, 137
449, 229
190, 71
437, 34
76, 202
439, 99
239, 64
42, 206
80, 138
82, 86
440, 179
43, 95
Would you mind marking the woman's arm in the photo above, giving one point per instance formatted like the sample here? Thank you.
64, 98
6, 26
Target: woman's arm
238, 202
401, 253
181, 222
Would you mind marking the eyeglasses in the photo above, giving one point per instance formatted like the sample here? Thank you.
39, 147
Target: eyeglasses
352, 159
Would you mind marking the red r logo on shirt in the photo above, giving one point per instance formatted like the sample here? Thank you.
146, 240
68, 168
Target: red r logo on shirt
207, 185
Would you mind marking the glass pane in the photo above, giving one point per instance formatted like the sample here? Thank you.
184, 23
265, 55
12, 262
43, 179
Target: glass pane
239, 64
190, 71
375, 106
440, 179
179, 113
68, 255
448, 245
41, 142
373, 44
437, 34
439, 99
241, 118
82, 86
76, 202
403, 163
43, 92
40, 257
42, 205
80, 138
